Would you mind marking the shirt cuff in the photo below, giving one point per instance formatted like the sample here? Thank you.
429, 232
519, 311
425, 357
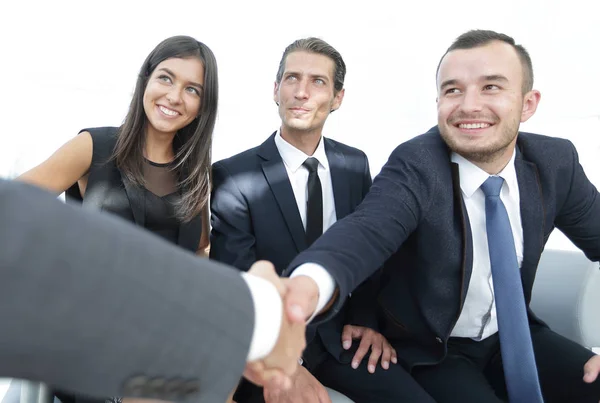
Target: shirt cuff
268, 312
325, 283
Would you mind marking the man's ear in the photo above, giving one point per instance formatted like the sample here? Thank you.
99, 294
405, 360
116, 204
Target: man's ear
337, 100
276, 93
531, 101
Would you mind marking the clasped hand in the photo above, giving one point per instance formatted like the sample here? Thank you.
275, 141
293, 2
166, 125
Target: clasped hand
276, 369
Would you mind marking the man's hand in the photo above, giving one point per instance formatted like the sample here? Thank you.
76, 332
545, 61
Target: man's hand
369, 338
305, 389
591, 369
276, 368
257, 373
301, 298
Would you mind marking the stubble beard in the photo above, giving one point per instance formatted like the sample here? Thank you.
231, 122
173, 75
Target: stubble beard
488, 153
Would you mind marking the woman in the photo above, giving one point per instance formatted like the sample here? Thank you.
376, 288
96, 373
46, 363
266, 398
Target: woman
154, 170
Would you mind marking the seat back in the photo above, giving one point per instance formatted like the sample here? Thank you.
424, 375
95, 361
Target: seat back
566, 295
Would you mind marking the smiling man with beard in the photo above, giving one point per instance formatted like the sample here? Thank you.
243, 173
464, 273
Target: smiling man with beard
460, 215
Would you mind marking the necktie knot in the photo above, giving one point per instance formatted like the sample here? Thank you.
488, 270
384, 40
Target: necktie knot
312, 164
492, 186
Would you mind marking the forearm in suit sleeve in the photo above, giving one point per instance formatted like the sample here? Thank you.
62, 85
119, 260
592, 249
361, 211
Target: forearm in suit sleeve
357, 245
362, 304
232, 240
91, 304
579, 217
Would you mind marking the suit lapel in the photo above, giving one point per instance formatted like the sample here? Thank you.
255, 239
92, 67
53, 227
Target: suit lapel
339, 180
190, 233
137, 201
532, 220
279, 182
465, 230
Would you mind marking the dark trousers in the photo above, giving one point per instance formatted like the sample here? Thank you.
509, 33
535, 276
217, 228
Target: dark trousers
472, 371
394, 385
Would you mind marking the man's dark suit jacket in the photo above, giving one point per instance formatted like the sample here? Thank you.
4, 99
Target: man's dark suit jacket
255, 217
415, 219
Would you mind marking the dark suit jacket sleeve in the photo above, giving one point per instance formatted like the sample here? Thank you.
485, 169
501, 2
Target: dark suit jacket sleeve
367, 179
579, 216
231, 238
357, 246
362, 305
93, 305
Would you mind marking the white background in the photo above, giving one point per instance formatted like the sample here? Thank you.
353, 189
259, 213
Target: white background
70, 65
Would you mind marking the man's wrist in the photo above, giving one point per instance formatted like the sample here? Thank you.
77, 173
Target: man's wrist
325, 284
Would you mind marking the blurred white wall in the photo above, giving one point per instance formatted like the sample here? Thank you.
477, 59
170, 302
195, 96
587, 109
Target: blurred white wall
67, 65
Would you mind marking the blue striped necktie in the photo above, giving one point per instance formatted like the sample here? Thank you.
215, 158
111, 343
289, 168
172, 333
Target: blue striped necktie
518, 360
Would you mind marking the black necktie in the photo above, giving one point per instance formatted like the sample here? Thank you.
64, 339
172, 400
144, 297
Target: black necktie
314, 204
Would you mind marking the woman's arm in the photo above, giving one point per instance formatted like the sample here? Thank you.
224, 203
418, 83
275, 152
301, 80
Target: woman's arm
66, 166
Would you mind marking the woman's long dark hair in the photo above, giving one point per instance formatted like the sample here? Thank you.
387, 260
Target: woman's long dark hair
192, 144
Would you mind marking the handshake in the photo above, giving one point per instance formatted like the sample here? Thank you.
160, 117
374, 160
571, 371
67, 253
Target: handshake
299, 296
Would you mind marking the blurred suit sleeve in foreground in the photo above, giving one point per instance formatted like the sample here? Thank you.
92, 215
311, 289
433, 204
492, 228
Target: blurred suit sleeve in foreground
91, 304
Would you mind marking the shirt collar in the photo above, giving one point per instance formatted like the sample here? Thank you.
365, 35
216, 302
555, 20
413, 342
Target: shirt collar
294, 158
472, 177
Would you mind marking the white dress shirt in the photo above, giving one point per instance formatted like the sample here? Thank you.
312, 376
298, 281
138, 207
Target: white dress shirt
293, 159
268, 307
298, 175
268, 311
478, 319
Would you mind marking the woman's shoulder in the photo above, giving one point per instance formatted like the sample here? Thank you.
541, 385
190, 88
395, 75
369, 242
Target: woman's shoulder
106, 133
103, 140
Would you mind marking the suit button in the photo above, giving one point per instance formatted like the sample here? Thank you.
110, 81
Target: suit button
439, 340
157, 386
173, 388
134, 386
191, 388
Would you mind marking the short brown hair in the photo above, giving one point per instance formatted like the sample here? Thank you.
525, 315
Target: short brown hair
476, 38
